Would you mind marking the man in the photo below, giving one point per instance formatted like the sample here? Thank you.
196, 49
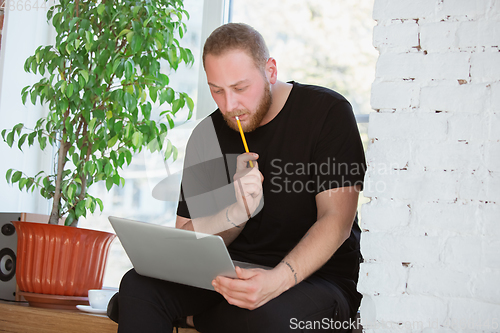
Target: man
294, 210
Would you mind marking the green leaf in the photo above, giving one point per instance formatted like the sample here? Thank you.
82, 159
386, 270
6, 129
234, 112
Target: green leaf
21, 141
69, 91
167, 95
42, 141
108, 169
99, 202
100, 9
109, 183
129, 70
168, 151
80, 209
10, 138
71, 192
112, 141
175, 153
123, 32
130, 36
189, 102
137, 43
88, 202
170, 121
177, 105
17, 175
146, 110
85, 74
70, 218
130, 101
22, 182
92, 125
128, 157
7, 175
136, 139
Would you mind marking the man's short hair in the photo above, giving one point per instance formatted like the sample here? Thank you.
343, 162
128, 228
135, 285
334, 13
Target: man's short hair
237, 36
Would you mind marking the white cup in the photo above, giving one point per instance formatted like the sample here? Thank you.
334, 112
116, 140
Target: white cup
99, 298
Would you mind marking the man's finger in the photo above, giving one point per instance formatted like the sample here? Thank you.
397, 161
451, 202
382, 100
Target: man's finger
243, 159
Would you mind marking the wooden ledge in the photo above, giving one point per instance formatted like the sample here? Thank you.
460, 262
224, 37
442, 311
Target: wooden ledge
21, 318
18, 317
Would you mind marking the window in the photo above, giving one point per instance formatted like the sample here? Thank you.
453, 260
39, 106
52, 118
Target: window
327, 43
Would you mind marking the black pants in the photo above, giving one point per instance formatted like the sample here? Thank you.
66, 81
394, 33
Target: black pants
150, 305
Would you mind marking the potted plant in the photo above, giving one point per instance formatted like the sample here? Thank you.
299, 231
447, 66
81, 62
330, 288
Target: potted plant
99, 82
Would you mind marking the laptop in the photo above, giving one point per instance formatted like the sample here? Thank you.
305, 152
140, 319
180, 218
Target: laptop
176, 255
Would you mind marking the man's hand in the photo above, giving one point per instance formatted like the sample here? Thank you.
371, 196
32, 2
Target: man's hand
247, 184
253, 287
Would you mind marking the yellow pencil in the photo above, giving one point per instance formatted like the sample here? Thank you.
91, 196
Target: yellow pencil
243, 138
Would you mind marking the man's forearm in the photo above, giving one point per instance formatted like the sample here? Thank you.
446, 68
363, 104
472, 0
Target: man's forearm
336, 212
314, 250
228, 223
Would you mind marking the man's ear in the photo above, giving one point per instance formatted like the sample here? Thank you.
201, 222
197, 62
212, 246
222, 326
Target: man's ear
271, 70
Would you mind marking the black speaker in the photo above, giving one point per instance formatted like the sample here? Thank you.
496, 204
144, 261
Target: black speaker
8, 250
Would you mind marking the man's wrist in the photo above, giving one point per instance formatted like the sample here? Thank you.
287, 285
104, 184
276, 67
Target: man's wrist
289, 273
236, 215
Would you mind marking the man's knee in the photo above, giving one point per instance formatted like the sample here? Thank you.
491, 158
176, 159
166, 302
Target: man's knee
136, 285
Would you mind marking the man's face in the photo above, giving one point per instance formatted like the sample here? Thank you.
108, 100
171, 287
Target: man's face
239, 88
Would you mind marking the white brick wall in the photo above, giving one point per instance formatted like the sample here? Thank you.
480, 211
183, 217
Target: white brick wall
431, 230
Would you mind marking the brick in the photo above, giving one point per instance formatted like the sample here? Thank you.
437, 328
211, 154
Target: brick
463, 251
385, 215
438, 36
466, 98
492, 156
468, 128
434, 218
468, 8
474, 186
494, 122
485, 67
495, 101
385, 279
399, 65
394, 95
483, 33
461, 156
396, 35
441, 281
385, 247
493, 187
406, 185
389, 154
490, 251
431, 186
482, 286
415, 311
473, 315
489, 221
433, 66
421, 126
482, 185
403, 9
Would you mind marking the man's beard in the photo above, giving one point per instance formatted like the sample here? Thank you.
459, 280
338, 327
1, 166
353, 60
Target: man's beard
255, 119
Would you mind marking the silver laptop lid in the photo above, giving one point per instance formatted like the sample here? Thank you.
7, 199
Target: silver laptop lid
172, 254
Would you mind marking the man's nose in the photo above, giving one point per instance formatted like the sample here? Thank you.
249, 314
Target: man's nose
231, 102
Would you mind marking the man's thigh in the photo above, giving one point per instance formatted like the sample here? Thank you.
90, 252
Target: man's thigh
313, 305
151, 305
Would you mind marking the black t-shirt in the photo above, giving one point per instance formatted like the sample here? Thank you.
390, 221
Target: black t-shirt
312, 145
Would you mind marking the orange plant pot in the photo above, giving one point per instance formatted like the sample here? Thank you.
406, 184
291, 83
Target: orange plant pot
59, 260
